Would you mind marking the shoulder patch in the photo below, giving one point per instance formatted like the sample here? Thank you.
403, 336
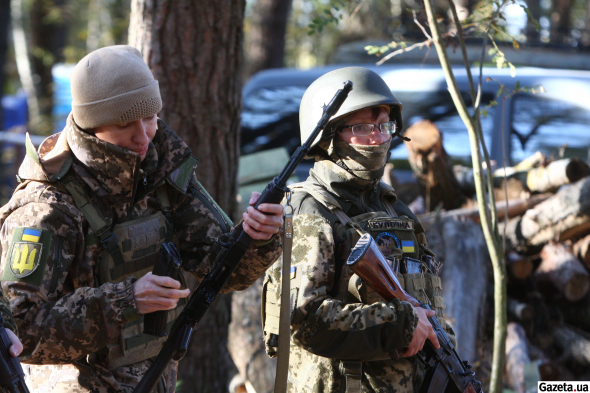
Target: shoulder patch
28, 255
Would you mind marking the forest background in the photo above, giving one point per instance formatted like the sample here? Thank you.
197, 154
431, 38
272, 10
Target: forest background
203, 49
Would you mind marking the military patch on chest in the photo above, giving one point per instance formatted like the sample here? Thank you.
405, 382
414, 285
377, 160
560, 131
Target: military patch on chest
391, 223
387, 242
27, 255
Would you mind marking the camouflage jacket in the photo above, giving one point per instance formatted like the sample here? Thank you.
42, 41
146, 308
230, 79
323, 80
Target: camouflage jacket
63, 315
326, 329
6, 314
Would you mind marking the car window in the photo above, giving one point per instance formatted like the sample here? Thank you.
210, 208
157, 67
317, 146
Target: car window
438, 107
546, 125
270, 119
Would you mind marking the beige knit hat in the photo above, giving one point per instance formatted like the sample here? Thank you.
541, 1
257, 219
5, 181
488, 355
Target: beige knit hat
113, 85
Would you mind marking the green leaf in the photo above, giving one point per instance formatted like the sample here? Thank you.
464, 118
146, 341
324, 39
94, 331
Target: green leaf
485, 113
515, 44
517, 86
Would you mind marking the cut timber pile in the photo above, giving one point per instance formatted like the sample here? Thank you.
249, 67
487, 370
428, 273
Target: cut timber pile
545, 219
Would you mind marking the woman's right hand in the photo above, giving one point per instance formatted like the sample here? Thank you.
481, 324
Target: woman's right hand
155, 293
423, 332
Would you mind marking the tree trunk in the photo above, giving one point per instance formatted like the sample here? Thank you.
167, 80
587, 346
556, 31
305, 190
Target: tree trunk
517, 357
194, 49
563, 216
560, 22
460, 246
265, 41
531, 32
4, 24
47, 39
563, 270
432, 167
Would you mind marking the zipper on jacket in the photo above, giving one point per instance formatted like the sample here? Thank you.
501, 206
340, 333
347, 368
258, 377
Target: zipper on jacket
58, 264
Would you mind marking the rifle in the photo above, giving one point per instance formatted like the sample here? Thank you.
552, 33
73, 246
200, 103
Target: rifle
445, 369
12, 377
167, 265
228, 258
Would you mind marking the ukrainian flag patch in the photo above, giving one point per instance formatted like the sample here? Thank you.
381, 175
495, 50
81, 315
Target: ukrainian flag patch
27, 255
31, 235
407, 245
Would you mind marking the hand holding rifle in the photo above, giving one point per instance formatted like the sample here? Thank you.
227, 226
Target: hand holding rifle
445, 369
12, 377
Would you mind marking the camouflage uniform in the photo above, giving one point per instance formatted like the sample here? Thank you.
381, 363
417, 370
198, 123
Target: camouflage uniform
335, 318
6, 314
65, 316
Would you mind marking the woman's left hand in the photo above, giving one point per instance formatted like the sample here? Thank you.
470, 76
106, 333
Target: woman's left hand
16, 348
261, 224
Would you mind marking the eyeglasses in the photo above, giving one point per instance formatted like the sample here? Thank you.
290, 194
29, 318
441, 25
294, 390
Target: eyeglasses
364, 129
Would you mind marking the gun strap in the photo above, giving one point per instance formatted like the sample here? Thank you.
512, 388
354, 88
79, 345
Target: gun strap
353, 371
285, 310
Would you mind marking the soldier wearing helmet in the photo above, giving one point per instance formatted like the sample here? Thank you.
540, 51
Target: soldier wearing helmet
82, 231
345, 337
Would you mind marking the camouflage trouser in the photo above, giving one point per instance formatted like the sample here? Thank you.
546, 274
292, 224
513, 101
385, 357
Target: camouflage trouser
86, 378
55, 379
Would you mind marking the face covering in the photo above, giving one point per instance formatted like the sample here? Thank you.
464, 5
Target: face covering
365, 161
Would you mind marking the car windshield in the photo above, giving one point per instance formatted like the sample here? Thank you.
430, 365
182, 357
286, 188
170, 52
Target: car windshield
270, 119
541, 124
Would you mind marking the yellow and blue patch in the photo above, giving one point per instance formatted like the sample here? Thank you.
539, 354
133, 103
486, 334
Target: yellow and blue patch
31, 235
27, 256
408, 246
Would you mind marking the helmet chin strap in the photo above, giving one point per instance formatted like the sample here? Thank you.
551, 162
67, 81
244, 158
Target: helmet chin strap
400, 136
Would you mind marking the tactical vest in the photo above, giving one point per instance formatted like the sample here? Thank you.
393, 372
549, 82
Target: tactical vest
396, 237
130, 249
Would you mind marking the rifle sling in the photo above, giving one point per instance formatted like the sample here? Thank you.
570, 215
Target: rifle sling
285, 310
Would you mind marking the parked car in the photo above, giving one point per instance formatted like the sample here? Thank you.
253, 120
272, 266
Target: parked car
522, 123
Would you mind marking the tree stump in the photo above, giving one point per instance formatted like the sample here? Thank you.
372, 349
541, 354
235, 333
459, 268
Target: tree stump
432, 167
517, 357
461, 247
561, 268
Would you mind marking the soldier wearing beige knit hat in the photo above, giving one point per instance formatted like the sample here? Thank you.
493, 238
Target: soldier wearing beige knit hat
113, 85
96, 204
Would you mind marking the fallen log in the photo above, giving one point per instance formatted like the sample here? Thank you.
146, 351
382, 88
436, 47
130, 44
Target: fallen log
518, 267
576, 314
563, 216
563, 270
432, 166
514, 207
548, 369
574, 345
582, 251
517, 357
520, 311
556, 174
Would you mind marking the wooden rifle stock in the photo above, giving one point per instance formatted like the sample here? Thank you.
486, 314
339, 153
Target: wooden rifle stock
445, 369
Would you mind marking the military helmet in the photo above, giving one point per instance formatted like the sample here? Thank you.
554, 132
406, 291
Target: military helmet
369, 90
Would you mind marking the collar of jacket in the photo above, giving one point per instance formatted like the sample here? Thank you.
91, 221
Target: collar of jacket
106, 168
349, 189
